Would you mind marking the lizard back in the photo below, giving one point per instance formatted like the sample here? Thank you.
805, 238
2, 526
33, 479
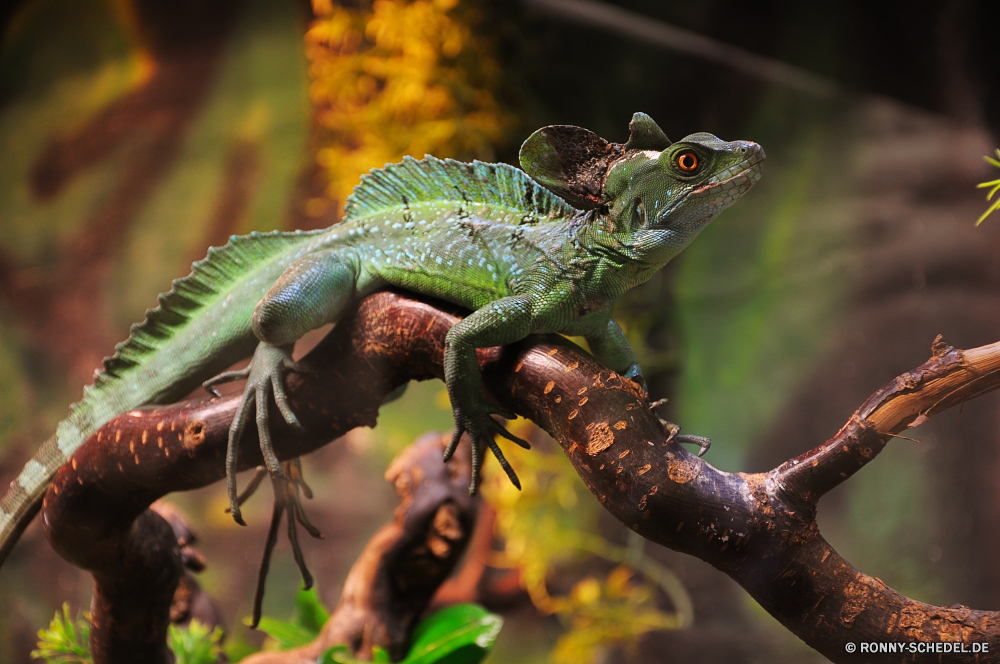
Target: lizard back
461, 232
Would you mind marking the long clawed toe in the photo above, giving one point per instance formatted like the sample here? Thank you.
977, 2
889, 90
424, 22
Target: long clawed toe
511, 475
288, 491
675, 435
492, 429
674, 431
263, 381
224, 377
701, 441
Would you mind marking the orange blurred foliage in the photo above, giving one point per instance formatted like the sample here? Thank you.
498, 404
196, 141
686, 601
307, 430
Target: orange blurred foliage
399, 77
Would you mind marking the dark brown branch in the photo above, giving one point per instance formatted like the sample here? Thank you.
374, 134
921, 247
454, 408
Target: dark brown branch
757, 528
190, 600
95, 512
948, 378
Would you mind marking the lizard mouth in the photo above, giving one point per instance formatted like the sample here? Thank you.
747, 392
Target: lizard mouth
730, 185
737, 183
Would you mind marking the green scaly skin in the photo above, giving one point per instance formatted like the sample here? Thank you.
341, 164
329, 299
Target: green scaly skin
552, 252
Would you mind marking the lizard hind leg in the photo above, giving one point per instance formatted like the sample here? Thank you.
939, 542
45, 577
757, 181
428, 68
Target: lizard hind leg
310, 293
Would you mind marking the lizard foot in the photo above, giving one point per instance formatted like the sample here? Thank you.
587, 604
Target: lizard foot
482, 427
263, 377
674, 431
701, 441
287, 498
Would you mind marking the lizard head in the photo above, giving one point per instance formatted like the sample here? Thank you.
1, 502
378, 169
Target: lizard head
658, 195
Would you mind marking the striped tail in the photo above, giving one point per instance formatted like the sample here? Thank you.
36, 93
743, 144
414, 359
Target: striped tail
24, 498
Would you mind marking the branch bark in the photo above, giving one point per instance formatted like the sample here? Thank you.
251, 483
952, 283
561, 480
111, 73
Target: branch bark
758, 528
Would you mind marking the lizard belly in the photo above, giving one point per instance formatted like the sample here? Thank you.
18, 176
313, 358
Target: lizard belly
466, 290
462, 270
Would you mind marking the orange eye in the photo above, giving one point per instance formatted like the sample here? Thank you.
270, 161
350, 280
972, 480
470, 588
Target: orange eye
687, 161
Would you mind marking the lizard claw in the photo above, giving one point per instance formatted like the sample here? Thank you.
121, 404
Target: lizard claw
701, 441
674, 434
263, 377
674, 431
286, 500
484, 428
224, 377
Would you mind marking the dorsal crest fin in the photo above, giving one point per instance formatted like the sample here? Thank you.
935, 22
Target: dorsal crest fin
215, 274
432, 180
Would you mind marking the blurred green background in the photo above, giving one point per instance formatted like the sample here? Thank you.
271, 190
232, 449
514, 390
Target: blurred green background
136, 133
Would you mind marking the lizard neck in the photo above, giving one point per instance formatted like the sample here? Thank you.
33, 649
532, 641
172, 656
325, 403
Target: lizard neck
626, 257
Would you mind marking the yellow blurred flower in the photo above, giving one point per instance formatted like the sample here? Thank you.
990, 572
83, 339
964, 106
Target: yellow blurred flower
399, 77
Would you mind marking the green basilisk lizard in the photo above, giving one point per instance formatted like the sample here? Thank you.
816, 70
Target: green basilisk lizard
547, 249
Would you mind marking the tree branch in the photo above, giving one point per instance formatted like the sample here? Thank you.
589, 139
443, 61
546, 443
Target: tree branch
757, 528
760, 528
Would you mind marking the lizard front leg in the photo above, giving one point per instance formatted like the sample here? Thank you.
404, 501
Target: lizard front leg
501, 322
310, 293
609, 345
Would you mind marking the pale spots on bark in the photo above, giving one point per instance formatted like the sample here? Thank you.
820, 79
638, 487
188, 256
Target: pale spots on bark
855, 602
600, 439
682, 470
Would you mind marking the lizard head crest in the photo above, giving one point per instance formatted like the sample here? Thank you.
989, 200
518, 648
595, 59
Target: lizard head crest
659, 194
573, 162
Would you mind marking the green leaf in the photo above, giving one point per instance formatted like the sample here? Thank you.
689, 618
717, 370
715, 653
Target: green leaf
65, 641
309, 611
461, 634
287, 633
236, 648
996, 187
337, 655
993, 161
342, 655
195, 644
304, 626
